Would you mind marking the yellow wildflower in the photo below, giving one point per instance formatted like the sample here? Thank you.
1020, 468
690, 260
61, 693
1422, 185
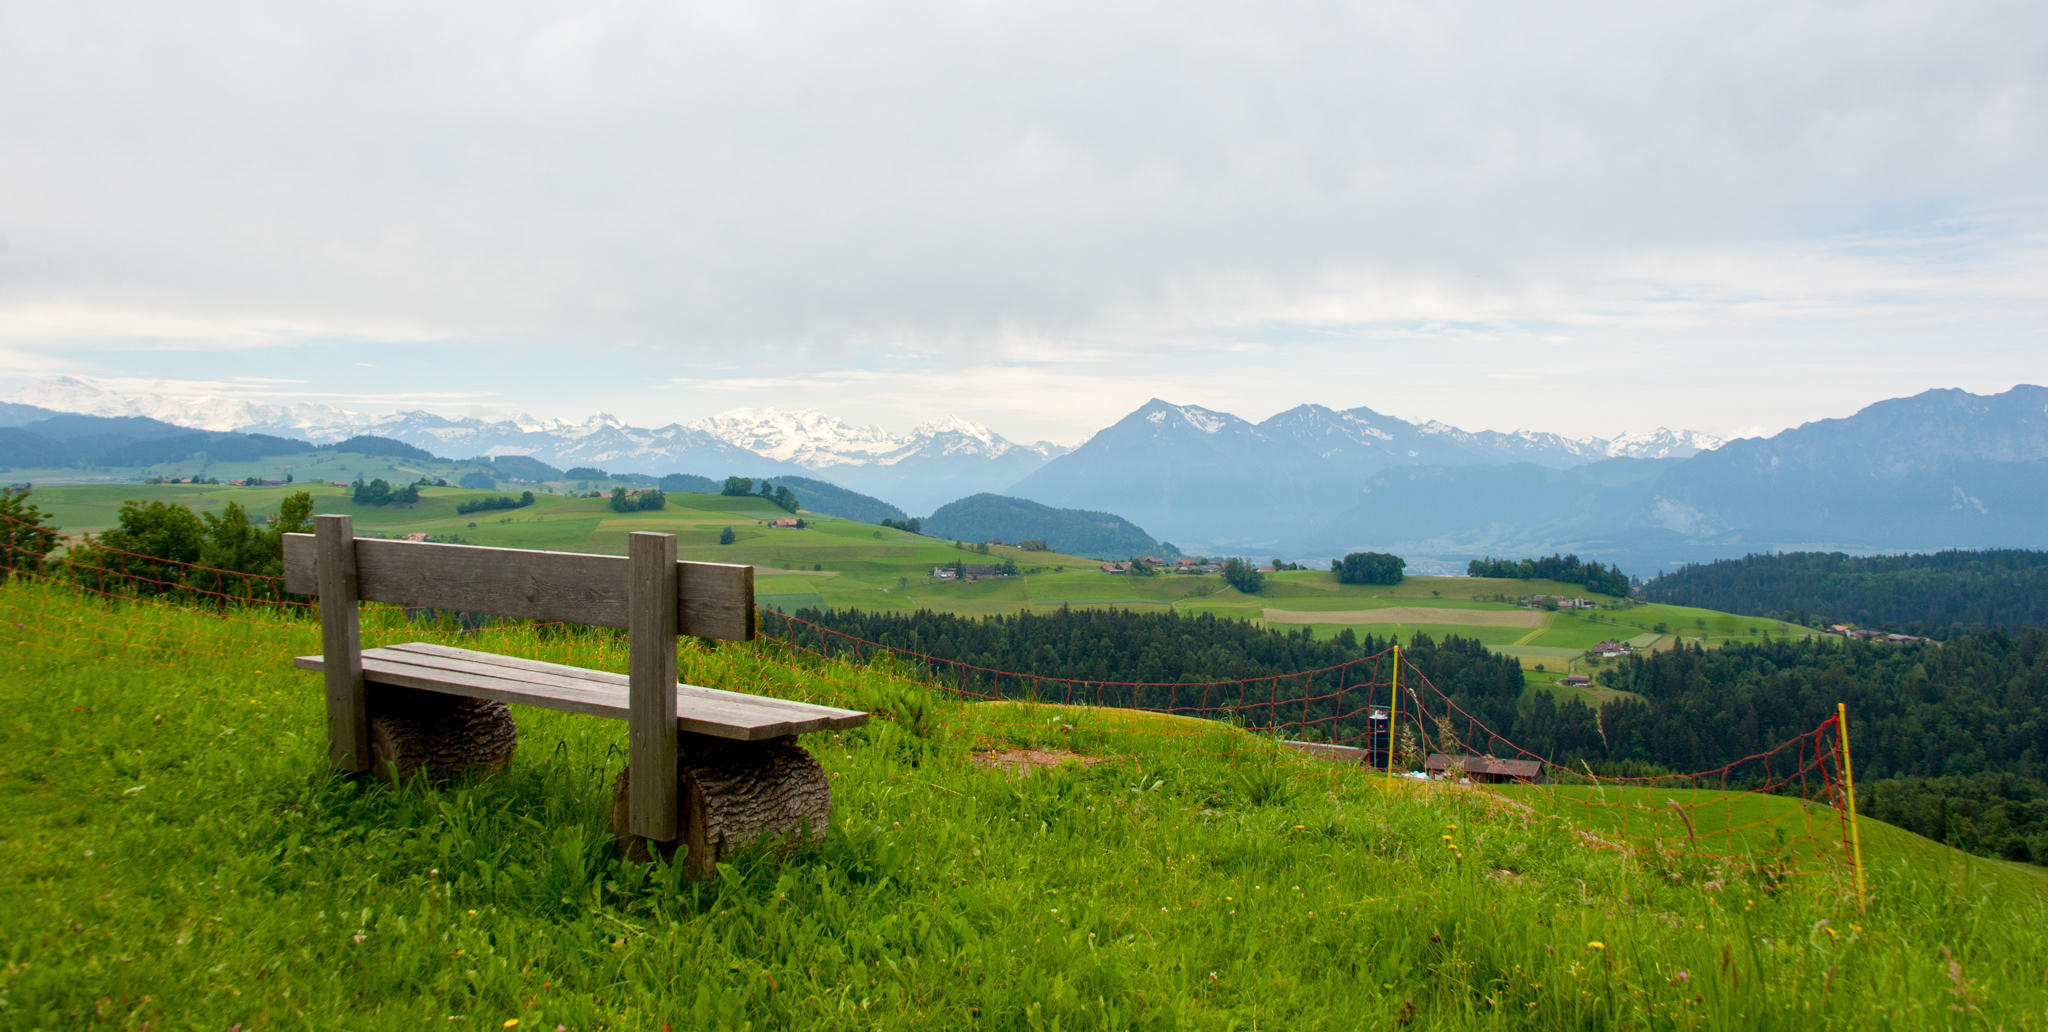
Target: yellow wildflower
1596, 945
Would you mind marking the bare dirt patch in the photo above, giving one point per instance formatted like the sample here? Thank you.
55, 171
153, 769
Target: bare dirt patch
1024, 761
1411, 615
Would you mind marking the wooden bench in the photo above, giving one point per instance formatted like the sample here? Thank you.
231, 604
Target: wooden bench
738, 774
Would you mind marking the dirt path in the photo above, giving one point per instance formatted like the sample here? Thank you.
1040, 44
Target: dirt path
1411, 615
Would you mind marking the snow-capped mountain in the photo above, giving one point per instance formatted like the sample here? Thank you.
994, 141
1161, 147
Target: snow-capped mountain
815, 440
93, 398
1663, 443
806, 437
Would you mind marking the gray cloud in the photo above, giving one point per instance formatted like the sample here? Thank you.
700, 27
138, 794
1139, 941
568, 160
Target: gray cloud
813, 181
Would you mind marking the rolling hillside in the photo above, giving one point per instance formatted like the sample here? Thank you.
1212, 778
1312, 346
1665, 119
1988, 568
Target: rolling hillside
177, 857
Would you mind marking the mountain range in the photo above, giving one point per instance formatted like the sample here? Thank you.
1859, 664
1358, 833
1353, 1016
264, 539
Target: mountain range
940, 460
1941, 469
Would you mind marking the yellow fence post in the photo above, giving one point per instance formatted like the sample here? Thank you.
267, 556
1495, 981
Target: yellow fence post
1849, 784
1393, 707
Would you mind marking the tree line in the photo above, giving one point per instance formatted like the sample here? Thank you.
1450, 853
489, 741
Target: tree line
1570, 569
1166, 661
1914, 593
494, 502
742, 487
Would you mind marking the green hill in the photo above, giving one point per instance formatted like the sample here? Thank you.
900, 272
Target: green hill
991, 517
172, 852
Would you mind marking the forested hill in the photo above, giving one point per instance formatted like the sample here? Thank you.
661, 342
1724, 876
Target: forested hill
1100, 535
1920, 593
1951, 740
1930, 723
1108, 649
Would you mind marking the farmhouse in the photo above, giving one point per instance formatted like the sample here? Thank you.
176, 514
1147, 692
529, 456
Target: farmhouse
787, 523
1610, 649
1485, 770
1576, 681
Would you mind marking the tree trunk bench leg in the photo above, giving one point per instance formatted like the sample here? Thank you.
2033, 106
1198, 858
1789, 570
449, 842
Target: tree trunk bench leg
440, 735
730, 795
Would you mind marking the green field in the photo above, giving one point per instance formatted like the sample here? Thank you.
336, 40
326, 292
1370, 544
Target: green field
842, 564
173, 854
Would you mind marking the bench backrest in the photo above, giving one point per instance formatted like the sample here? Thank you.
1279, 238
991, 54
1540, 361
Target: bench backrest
647, 592
713, 600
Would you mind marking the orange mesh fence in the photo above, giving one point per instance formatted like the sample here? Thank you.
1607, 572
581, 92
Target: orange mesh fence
1782, 809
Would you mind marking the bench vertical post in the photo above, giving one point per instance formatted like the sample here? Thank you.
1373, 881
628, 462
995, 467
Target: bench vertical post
348, 711
651, 703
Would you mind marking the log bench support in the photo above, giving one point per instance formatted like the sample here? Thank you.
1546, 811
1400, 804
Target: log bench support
739, 776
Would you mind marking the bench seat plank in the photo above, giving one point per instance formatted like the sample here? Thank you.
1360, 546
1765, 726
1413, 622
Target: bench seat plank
484, 675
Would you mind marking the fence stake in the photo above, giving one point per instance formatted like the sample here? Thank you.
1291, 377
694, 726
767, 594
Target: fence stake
1849, 783
1393, 707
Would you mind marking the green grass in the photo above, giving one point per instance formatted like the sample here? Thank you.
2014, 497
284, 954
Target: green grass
838, 563
173, 852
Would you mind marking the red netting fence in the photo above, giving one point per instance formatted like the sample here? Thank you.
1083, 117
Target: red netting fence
1375, 716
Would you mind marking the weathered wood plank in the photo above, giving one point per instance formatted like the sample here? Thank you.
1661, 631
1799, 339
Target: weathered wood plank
747, 716
715, 600
652, 595
348, 708
483, 675
692, 697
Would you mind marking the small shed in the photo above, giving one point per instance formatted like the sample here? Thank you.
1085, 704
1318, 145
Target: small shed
1485, 770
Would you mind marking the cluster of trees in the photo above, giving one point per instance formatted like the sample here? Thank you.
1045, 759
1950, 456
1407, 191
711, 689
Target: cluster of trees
379, 492
160, 548
644, 501
496, 502
1243, 576
912, 525
1369, 568
1991, 814
1607, 580
26, 537
742, 487
1919, 594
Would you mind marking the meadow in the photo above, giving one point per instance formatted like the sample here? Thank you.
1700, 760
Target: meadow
845, 564
173, 852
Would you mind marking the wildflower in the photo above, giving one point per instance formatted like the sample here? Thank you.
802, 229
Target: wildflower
1596, 945
510, 1023
1299, 827
1683, 975
1446, 838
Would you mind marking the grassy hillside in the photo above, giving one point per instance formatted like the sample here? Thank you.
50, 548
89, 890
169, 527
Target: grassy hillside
844, 564
173, 853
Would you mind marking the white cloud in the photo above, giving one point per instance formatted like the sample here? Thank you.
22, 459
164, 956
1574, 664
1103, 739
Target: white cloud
1080, 205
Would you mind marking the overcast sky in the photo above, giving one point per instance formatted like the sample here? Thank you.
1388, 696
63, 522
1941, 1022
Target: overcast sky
1731, 217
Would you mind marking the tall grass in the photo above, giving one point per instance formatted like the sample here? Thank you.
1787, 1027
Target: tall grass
172, 851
